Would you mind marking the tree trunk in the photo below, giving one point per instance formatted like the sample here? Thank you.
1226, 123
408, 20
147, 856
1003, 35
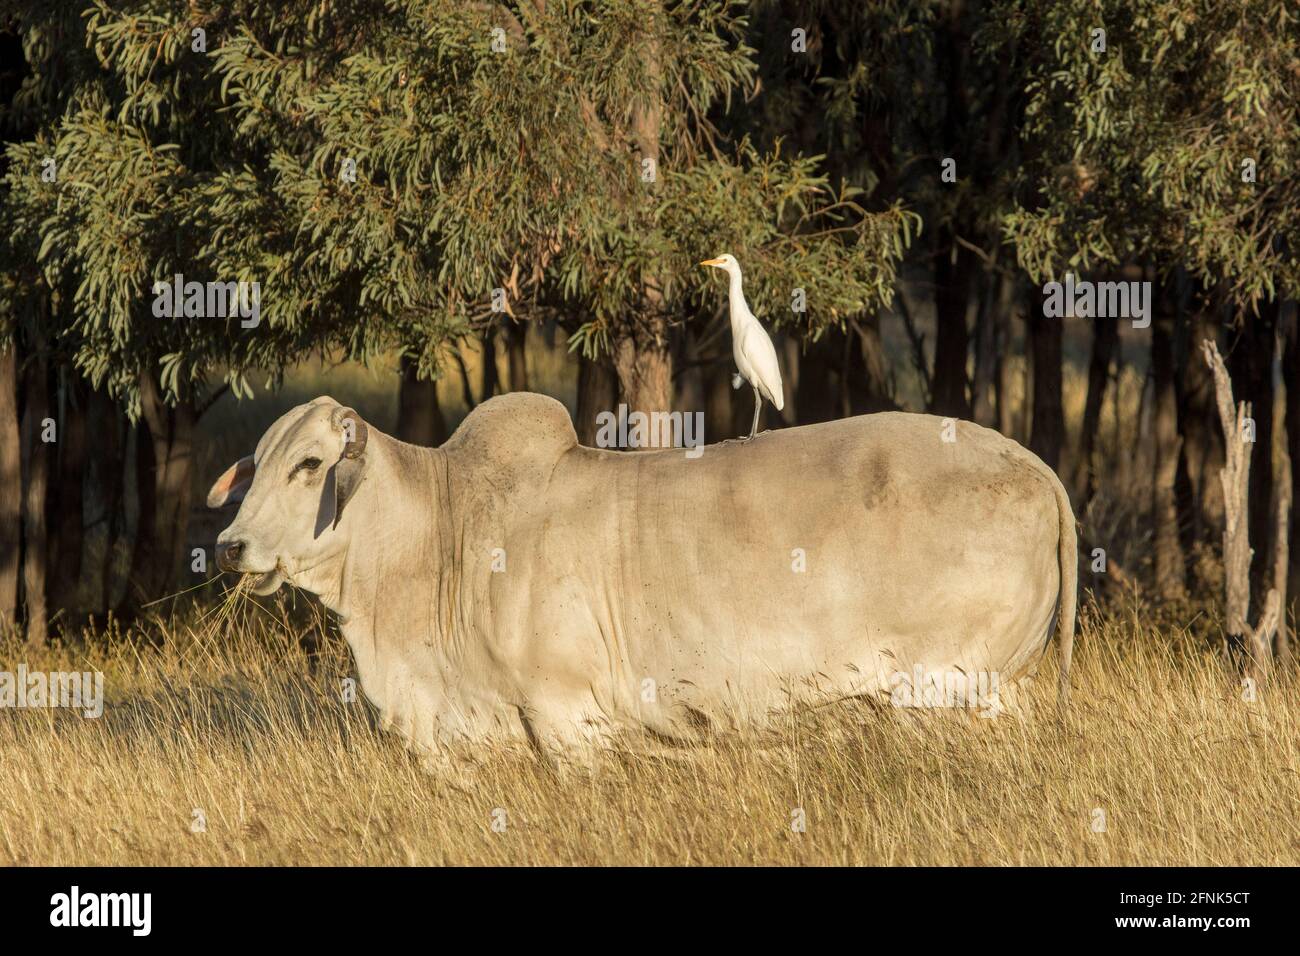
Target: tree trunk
642, 353
849, 375
1170, 566
146, 513
69, 526
1105, 333
1141, 463
1279, 559
109, 463
816, 397
1047, 433
644, 365
996, 300
873, 393
1255, 641
11, 485
789, 350
35, 487
466, 391
953, 274
419, 417
1250, 365
954, 263
1291, 379
170, 432
174, 465
717, 399
597, 392
489, 380
1202, 444
517, 355
1006, 377
1123, 475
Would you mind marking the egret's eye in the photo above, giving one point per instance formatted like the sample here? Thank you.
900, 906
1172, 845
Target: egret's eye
307, 464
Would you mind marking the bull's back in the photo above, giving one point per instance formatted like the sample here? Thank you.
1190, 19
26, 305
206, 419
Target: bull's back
843, 550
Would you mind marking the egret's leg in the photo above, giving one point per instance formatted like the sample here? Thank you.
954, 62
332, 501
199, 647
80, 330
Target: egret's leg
758, 407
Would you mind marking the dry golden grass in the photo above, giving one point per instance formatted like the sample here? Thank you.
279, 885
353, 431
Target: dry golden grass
222, 711
229, 716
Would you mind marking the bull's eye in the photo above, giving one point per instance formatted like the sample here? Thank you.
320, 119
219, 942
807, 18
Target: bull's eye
307, 464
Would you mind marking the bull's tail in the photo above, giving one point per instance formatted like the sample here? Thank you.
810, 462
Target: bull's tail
1067, 602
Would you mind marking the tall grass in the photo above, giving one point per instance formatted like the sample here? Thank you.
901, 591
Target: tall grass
234, 721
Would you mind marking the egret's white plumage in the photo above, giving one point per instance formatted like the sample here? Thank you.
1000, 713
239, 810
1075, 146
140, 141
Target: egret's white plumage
750, 345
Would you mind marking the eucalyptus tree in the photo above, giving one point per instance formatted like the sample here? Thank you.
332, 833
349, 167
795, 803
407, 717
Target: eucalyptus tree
397, 175
528, 159
121, 186
1164, 137
917, 102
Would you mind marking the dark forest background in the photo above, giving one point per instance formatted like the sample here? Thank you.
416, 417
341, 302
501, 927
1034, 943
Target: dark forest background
381, 168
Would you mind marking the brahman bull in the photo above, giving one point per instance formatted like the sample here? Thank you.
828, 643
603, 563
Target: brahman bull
514, 584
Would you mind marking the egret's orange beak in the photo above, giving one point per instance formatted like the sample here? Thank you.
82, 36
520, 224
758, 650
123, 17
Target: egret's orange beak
711, 262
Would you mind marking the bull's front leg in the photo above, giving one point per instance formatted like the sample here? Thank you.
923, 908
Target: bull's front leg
562, 715
446, 766
567, 735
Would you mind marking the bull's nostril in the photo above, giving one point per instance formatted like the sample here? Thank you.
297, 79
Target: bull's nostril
228, 555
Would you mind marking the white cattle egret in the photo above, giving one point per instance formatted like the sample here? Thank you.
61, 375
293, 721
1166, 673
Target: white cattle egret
750, 346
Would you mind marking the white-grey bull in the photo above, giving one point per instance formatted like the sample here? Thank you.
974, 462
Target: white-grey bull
515, 584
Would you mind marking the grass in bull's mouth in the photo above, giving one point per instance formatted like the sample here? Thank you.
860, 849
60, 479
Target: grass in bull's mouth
232, 737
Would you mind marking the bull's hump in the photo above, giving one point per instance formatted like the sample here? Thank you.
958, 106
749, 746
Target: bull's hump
520, 434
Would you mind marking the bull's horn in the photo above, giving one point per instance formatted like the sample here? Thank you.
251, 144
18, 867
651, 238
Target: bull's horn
354, 445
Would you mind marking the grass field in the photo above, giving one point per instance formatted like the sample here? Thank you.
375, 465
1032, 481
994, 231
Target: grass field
223, 741
226, 738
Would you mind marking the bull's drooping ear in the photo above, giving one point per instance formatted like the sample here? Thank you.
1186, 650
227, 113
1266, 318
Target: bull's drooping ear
350, 470
233, 483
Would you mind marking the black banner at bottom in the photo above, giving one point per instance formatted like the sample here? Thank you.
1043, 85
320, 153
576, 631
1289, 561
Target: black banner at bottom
900, 906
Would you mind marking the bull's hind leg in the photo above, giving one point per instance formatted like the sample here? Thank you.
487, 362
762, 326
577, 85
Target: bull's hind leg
1013, 698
